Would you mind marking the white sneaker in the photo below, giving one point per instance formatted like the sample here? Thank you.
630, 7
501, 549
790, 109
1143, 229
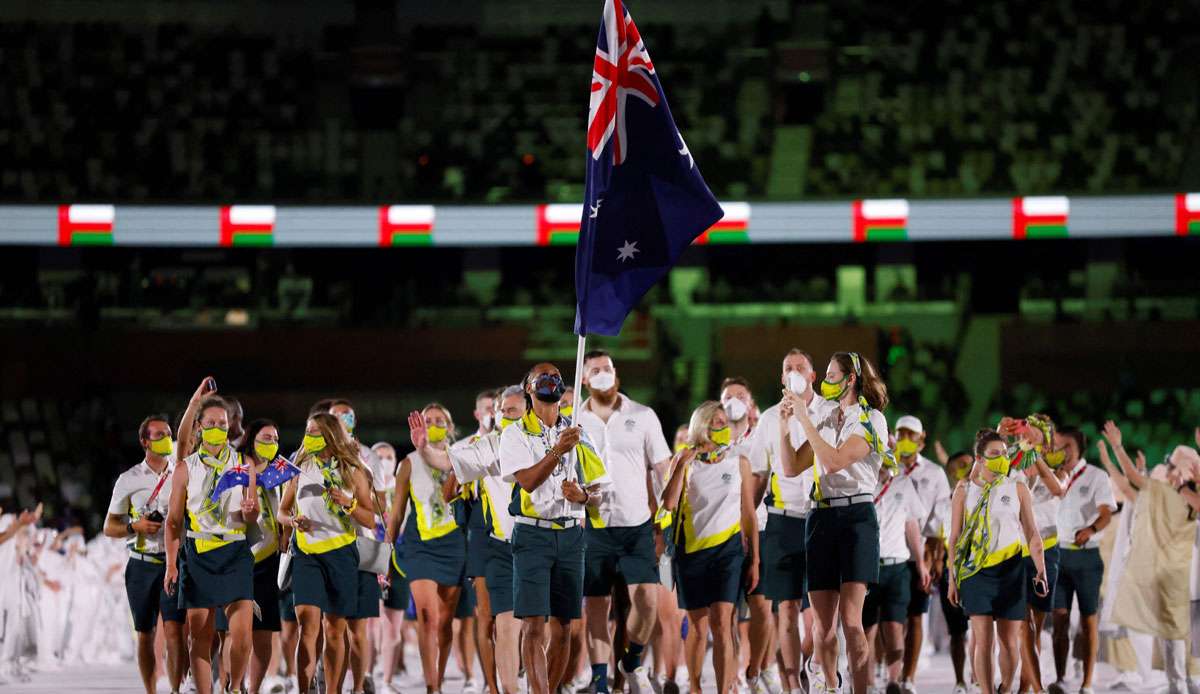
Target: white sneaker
770, 679
470, 687
960, 689
908, 688
1086, 690
638, 681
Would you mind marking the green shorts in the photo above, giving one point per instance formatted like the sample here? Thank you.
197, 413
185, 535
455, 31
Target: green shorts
843, 546
1043, 604
466, 600
626, 551
369, 595
442, 560
887, 599
217, 577
499, 576
997, 591
287, 606
147, 599
547, 572
710, 575
397, 593
266, 596
328, 580
783, 549
1080, 572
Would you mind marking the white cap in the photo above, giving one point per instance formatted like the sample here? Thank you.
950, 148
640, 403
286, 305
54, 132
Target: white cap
911, 423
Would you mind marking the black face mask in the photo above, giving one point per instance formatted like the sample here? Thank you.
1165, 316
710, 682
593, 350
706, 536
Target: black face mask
549, 388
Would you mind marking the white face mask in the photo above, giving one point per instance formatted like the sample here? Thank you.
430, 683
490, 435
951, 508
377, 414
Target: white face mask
735, 409
797, 383
486, 421
602, 381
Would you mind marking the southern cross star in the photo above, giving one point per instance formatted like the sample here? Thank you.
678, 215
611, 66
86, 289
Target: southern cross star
626, 252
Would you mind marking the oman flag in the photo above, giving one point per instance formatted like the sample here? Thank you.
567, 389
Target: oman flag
247, 225
731, 228
86, 225
1041, 217
406, 225
1187, 214
558, 224
880, 220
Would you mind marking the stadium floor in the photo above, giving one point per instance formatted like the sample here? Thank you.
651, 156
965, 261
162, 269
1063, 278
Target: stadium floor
936, 677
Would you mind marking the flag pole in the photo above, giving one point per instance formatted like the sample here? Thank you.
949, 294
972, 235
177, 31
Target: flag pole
578, 393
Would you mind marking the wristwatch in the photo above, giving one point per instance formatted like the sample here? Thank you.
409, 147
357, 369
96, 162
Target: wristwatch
129, 527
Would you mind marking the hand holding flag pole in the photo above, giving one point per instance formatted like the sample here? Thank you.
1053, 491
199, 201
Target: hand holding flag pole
645, 200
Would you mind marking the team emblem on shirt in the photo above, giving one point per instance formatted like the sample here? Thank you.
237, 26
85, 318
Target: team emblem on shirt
1006, 500
630, 424
1085, 489
727, 478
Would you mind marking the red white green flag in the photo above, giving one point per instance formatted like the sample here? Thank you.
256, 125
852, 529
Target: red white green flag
247, 225
880, 220
406, 225
731, 228
1042, 217
1187, 214
86, 225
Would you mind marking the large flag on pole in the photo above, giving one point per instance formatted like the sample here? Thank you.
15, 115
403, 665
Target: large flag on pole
645, 200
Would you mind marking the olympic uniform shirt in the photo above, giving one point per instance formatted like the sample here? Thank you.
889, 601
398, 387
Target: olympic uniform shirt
1087, 489
934, 489
896, 502
1006, 538
629, 443
129, 497
479, 460
792, 494
710, 504
861, 476
524, 444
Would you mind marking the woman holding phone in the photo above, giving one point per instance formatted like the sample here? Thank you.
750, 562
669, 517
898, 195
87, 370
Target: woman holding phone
992, 522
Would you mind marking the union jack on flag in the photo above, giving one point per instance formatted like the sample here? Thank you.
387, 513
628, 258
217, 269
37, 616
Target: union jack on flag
622, 68
236, 475
278, 472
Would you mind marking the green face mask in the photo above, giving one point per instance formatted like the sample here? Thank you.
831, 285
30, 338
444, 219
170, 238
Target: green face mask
833, 391
998, 465
162, 446
314, 444
721, 436
215, 436
907, 448
266, 451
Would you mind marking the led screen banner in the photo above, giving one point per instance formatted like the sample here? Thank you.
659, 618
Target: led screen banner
409, 225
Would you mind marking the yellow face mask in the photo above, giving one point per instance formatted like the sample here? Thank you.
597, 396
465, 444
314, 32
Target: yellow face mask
721, 436
314, 444
215, 436
998, 465
266, 451
907, 448
566, 410
436, 434
505, 421
833, 391
681, 446
960, 472
1055, 459
162, 446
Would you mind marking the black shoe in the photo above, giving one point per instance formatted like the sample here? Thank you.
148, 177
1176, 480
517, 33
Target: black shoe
892, 688
670, 688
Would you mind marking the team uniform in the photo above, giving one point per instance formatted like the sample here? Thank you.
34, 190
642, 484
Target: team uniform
144, 573
889, 599
369, 594
709, 554
325, 569
997, 589
435, 548
933, 488
264, 545
620, 537
478, 462
842, 528
547, 538
787, 504
218, 567
1080, 567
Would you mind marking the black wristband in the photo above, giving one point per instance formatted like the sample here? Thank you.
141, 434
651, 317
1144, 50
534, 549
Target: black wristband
129, 527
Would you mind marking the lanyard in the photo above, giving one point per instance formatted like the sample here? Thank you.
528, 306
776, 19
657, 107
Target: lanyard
158, 487
883, 491
1082, 467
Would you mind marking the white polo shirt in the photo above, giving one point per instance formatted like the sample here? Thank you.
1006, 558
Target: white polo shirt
479, 459
371, 461
897, 501
934, 489
523, 445
1087, 489
789, 493
629, 443
130, 493
861, 476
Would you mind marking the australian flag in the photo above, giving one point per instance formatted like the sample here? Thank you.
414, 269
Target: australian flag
276, 473
235, 475
645, 200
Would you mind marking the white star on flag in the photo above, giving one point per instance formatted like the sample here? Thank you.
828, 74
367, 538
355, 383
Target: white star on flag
626, 252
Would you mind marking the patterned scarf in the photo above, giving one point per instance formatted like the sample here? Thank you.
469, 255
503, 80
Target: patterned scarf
972, 548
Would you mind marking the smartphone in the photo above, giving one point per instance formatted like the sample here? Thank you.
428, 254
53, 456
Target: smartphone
155, 516
212, 384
